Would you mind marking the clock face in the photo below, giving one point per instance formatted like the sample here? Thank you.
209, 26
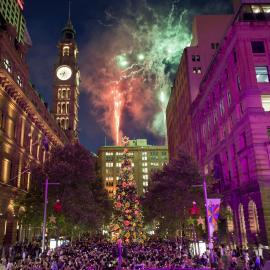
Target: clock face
63, 73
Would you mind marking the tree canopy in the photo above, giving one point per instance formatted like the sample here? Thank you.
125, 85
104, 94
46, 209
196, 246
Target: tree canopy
171, 193
84, 201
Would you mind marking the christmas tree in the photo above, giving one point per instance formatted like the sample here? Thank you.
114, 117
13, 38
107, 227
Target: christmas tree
127, 221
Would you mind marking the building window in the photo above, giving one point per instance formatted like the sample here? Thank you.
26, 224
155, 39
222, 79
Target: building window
230, 224
144, 158
268, 132
215, 116
145, 184
109, 164
266, 8
145, 177
253, 218
6, 170
257, 46
262, 74
221, 107
65, 50
243, 140
242, 225
2, 120
154, 164
229, 98
118, 164
266, 102
196, 58
144, 170
7, 65
197, 70
19, 81
144, 164
214, 46
109, 153
58, 108
235, 56
238, 83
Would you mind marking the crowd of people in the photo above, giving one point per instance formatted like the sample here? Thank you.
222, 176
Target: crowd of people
101, 255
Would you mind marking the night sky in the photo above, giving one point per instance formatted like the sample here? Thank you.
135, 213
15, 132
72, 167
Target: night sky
107, 30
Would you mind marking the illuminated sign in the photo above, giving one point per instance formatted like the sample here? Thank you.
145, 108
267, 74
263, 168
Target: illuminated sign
20, 3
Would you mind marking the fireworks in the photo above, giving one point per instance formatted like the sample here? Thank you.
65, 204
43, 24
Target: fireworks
117, 110
144, 50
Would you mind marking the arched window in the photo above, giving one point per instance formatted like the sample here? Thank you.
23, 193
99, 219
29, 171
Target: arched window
63, 111
58, 108
67, 123
242, 225
63, 124
65, 50
230, 225
63, 93
253, 218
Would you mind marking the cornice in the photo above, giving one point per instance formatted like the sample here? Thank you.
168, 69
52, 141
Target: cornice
20, 98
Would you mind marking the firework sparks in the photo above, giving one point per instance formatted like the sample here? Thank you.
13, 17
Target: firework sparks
117, 112
142, 58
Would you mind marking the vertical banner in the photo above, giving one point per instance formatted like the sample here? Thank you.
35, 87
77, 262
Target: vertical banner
213, 213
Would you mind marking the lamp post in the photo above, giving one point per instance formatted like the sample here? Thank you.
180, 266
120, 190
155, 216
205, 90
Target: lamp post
204, 185
45, 211
206, 209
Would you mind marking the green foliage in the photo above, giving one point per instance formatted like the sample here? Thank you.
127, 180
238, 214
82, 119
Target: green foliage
127, 221
85, 203
171, 193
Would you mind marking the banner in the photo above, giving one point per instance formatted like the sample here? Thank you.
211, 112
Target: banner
213, 213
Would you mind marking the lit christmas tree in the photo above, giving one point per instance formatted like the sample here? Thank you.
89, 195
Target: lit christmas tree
127, 221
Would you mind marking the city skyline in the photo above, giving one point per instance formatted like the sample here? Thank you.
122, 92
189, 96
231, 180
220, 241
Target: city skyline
89, 27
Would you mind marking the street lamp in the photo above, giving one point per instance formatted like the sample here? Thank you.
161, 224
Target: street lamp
204, 185
45, 210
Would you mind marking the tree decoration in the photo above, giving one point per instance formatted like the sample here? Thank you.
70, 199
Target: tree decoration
127, 221
52, 219
57, 207
194, 211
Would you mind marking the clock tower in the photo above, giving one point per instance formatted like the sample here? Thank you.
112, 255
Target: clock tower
66, 83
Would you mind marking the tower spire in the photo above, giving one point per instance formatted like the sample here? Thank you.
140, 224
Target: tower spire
69, 4
68, 31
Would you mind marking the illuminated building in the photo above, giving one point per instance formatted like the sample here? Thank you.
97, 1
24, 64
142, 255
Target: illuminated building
25, 122
144, 157
66, 83
11, 12
207, 31
231, 124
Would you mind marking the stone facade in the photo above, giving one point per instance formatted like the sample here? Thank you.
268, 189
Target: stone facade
231, 124
25, 122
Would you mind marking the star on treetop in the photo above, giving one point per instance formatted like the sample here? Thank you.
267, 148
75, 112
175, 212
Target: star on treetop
125, 141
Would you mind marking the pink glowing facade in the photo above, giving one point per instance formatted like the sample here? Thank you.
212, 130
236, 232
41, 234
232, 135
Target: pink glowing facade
230, 120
